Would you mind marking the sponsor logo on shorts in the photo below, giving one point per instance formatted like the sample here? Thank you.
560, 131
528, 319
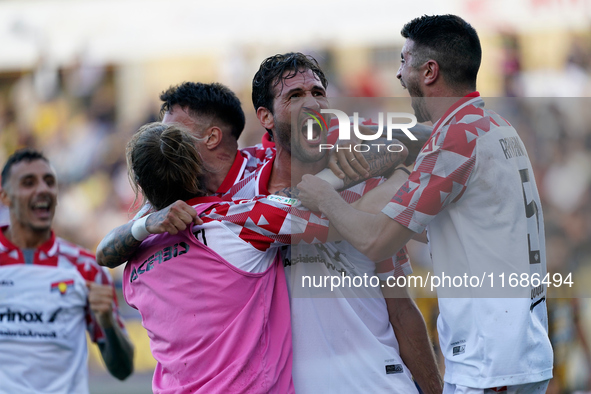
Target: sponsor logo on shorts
6, 282
394, 368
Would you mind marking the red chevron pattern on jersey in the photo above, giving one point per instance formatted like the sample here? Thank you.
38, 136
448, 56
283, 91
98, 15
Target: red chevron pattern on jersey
262, 222
443, 167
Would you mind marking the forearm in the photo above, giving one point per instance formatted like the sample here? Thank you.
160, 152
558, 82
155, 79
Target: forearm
420, 131
381, 161
353, 225
117, 351
117, 247
416, 349
376, 199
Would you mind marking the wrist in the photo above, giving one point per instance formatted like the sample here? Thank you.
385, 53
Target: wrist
139, 230
105, 319
403, 169
327, 201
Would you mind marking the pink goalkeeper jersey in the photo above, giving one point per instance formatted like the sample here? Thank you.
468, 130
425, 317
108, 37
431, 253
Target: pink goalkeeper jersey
216, 326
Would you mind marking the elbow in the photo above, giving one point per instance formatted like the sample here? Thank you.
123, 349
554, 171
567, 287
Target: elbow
370, 248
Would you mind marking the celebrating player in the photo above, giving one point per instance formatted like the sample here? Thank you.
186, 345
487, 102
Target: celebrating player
337, 332
213, 297
473, 188
50, 290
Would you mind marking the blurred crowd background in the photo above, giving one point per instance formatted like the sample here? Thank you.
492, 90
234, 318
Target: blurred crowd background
77, 79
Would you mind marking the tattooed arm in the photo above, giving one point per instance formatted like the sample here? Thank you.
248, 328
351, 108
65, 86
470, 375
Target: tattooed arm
346, 162
119, 244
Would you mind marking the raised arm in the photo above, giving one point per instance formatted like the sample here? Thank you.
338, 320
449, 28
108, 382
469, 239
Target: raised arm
346, 163
120, 244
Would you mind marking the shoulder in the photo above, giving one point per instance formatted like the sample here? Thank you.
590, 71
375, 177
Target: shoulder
83, 260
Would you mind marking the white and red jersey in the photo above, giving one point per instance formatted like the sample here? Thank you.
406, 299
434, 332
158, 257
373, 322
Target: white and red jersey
473, 188
222, 287
343, 340
44, 313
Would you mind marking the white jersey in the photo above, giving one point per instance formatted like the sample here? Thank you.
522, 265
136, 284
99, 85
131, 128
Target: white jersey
43, 318
473, 188
343, 341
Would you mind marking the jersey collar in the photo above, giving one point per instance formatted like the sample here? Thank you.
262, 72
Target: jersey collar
46, 254
235, 173
267, 142
202, 200
263, 177
461, 103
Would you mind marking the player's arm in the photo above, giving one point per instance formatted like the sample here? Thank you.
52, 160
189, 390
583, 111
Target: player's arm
346, 168
120, 243
375, 235
376, 199
350, 165
116, 349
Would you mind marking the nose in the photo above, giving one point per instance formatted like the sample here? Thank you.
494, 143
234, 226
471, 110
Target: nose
311, 101
44, 188
399, 72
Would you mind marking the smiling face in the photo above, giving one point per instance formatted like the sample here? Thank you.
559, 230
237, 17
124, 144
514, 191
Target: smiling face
311, 95
410, 78
31, 195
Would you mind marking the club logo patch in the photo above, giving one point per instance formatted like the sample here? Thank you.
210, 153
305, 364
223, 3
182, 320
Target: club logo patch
62, 286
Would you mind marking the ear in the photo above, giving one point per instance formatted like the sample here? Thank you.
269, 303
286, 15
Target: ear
266, 118
431, 72
4, 199
215, 136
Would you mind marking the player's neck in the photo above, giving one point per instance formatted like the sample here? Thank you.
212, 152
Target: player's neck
442, 99
26, 238
217, 172
288, 171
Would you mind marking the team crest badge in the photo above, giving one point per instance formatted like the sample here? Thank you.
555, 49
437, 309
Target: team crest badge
62, 286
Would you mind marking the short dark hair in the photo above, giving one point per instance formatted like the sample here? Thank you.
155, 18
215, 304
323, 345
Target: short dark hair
206, 99
271, 71
25, 154
163, 161
451, 42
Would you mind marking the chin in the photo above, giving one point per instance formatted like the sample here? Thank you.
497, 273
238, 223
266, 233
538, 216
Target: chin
40, 227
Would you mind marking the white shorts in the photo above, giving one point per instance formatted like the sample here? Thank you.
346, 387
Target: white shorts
529, 388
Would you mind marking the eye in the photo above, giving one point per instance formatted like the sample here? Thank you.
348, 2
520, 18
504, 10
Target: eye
27, 182
50, 181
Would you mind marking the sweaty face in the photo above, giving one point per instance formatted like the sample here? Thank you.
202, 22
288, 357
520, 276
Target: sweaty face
410, 78
31, 195
304, 90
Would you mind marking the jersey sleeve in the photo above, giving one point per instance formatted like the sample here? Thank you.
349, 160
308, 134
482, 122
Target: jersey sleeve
397, 265
439, 178
91, 271
269, 221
